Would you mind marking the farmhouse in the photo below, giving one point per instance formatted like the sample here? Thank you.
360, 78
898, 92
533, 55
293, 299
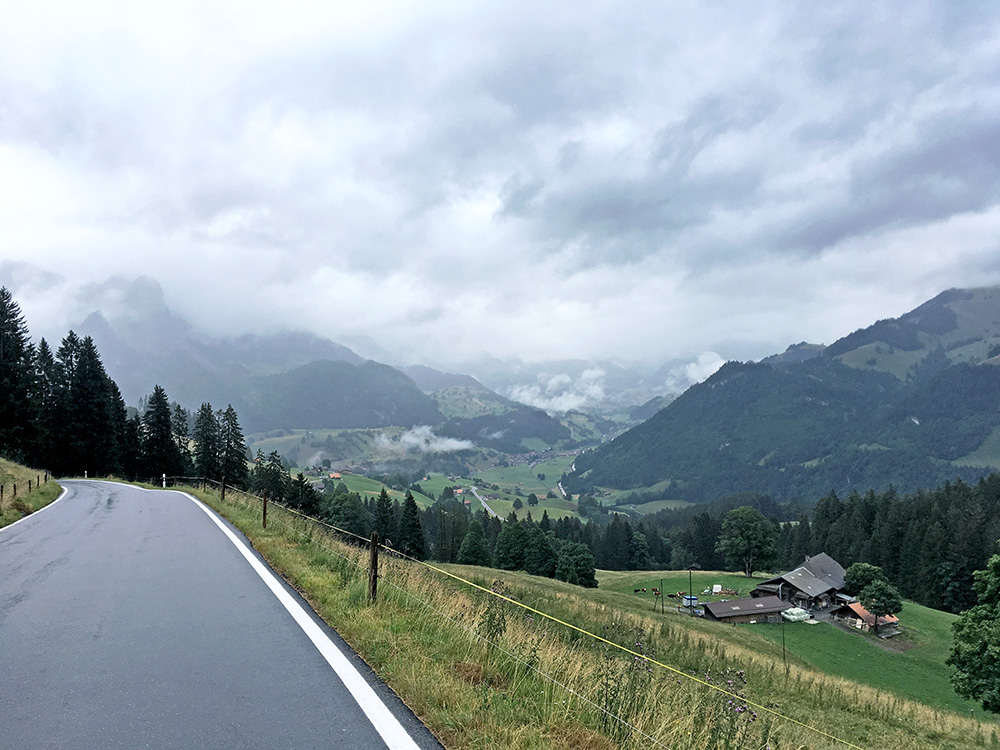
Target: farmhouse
816, 584
856, 616
747, 610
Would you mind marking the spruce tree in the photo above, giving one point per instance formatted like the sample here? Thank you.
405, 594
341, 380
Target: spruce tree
206, 444
474, 550
512, 546
181, 429
411, 531
159, 449
232, 449
16, 365
539, 557
385, 517
47, 406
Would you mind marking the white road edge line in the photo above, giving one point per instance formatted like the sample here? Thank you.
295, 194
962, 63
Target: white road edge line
384, 721
32, 515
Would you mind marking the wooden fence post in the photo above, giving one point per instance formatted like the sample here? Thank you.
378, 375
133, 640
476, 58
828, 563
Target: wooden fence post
265, 511
29, 486
15, 489
373, 569
222, 497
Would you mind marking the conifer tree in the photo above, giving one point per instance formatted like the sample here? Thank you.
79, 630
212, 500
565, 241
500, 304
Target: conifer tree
181, 429
206, 445
159, 449
474, 550
47, 399
385, 517
232, 449
411, 531
268, 476
512, 546
539, 557
16, 364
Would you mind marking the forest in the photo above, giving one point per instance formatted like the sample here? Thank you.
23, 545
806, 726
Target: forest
62, 412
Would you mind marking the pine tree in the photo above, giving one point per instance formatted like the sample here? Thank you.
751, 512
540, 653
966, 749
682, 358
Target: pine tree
539, 557
159, 449
206, 445
512, 545
385, 517
268, 476
16, 374
47, 403
232, 449
474, 550
85, 435
180, 425
411, 532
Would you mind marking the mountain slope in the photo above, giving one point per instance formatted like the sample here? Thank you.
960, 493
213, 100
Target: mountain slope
330, 395
896, 403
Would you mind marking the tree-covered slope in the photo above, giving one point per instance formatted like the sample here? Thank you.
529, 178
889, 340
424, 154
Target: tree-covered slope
330, 395
802, 428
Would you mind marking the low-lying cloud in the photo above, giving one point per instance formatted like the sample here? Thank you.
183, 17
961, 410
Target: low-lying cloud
422, 440
684, 376
560, 393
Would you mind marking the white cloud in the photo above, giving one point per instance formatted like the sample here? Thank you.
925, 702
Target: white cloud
560, 393
423, 440
684, 376
451, 178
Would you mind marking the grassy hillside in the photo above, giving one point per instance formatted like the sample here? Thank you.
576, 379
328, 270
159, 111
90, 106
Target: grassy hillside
910, 665
484, 673
501, 486
372, 487
15, 508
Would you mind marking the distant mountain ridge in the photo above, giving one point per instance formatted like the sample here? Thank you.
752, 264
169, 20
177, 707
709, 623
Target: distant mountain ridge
295, 380
911, 402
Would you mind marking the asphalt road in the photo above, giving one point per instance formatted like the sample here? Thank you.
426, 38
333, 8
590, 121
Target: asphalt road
129, 619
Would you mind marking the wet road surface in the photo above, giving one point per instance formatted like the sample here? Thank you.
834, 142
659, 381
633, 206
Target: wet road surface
128, 619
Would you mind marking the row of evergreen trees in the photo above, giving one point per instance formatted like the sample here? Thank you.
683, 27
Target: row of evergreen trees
62, 412
447, 531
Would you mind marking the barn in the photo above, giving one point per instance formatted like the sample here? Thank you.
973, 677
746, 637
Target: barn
749, 610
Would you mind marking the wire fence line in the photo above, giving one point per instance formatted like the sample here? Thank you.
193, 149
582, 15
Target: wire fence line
306, 526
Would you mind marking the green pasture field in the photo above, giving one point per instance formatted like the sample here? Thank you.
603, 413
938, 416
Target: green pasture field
910, 665
674, 581
372, 487
655, 506
475, 695
987, 454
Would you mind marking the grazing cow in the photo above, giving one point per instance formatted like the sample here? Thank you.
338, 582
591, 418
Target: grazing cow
636, 591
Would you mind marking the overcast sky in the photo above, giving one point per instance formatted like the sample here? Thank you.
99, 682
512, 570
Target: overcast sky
638, 181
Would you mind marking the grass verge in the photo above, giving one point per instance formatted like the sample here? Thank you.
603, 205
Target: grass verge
474, 667
15, 507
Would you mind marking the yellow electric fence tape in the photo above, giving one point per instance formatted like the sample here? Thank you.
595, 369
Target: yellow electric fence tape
678, 672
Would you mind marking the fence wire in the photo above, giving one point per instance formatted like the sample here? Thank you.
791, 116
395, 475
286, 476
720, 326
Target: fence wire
250, 500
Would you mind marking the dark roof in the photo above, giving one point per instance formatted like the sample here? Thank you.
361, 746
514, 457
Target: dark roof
749, 606
804, 581
818, 575
825, 568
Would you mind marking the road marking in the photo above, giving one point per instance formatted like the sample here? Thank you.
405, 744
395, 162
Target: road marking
384, 721
32, 515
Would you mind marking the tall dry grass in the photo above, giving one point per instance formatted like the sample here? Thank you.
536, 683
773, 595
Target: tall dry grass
482, 672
